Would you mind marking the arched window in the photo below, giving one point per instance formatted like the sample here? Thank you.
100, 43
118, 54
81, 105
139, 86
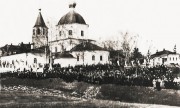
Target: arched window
38, 31
70, 32
93, 58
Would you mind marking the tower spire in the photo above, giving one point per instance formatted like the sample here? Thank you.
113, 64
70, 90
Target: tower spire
40, 32
40, 21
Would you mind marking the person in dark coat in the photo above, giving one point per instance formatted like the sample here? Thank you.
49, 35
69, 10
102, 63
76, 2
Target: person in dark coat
158, 86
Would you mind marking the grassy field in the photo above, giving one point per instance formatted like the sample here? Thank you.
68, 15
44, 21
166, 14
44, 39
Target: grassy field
55, 93
140, 95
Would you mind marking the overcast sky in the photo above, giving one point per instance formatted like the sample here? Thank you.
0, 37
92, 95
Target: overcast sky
156, 21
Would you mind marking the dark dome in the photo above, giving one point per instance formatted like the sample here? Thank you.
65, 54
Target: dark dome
72, 17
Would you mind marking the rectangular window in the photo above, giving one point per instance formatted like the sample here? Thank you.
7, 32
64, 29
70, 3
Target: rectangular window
38, 31
77, 58
33, 31
93, 58
82, 33
13, 62
55, 49
60, 33
35, 60
44, 31
70, 32
101, 58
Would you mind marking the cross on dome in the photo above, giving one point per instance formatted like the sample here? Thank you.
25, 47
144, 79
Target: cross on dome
72, 4
71, 17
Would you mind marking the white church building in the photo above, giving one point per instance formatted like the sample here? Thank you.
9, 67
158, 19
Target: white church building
72, 38
70, 46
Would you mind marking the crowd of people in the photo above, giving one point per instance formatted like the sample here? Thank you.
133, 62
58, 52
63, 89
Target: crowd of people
158, 77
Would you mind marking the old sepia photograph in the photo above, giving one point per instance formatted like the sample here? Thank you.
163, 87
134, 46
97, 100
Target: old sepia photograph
89, 53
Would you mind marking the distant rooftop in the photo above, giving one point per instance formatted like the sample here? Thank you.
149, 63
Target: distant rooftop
163, 52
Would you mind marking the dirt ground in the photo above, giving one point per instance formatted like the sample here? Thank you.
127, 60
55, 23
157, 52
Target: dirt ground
19, 93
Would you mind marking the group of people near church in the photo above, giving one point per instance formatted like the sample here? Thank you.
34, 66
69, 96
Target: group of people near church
157, 77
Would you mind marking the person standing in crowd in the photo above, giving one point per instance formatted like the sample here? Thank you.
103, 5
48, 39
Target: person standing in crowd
158, 87
154, 83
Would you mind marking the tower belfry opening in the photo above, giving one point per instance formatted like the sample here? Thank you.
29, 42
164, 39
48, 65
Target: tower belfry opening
40, 32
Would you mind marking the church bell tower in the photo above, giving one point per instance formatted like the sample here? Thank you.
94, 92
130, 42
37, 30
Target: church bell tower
40, 32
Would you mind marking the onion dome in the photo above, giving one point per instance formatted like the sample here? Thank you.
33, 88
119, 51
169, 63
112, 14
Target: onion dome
71, 17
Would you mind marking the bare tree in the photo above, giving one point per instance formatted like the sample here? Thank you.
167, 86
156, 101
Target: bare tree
123, 41
113, 43
149, 51
128, 43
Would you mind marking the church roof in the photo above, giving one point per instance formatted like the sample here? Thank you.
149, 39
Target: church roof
71, 17
43, 49
87, 46
63, 55
15, 49
161, 53
40, 21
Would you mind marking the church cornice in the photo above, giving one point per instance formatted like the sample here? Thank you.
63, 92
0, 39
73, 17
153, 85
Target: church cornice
72, 39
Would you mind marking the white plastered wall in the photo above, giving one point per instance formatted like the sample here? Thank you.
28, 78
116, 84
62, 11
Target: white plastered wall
85, 57
21, 61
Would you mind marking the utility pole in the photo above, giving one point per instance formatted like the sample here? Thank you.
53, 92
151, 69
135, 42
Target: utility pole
50, 47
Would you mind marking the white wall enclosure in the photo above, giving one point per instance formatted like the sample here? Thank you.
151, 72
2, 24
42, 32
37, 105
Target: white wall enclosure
22, 61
